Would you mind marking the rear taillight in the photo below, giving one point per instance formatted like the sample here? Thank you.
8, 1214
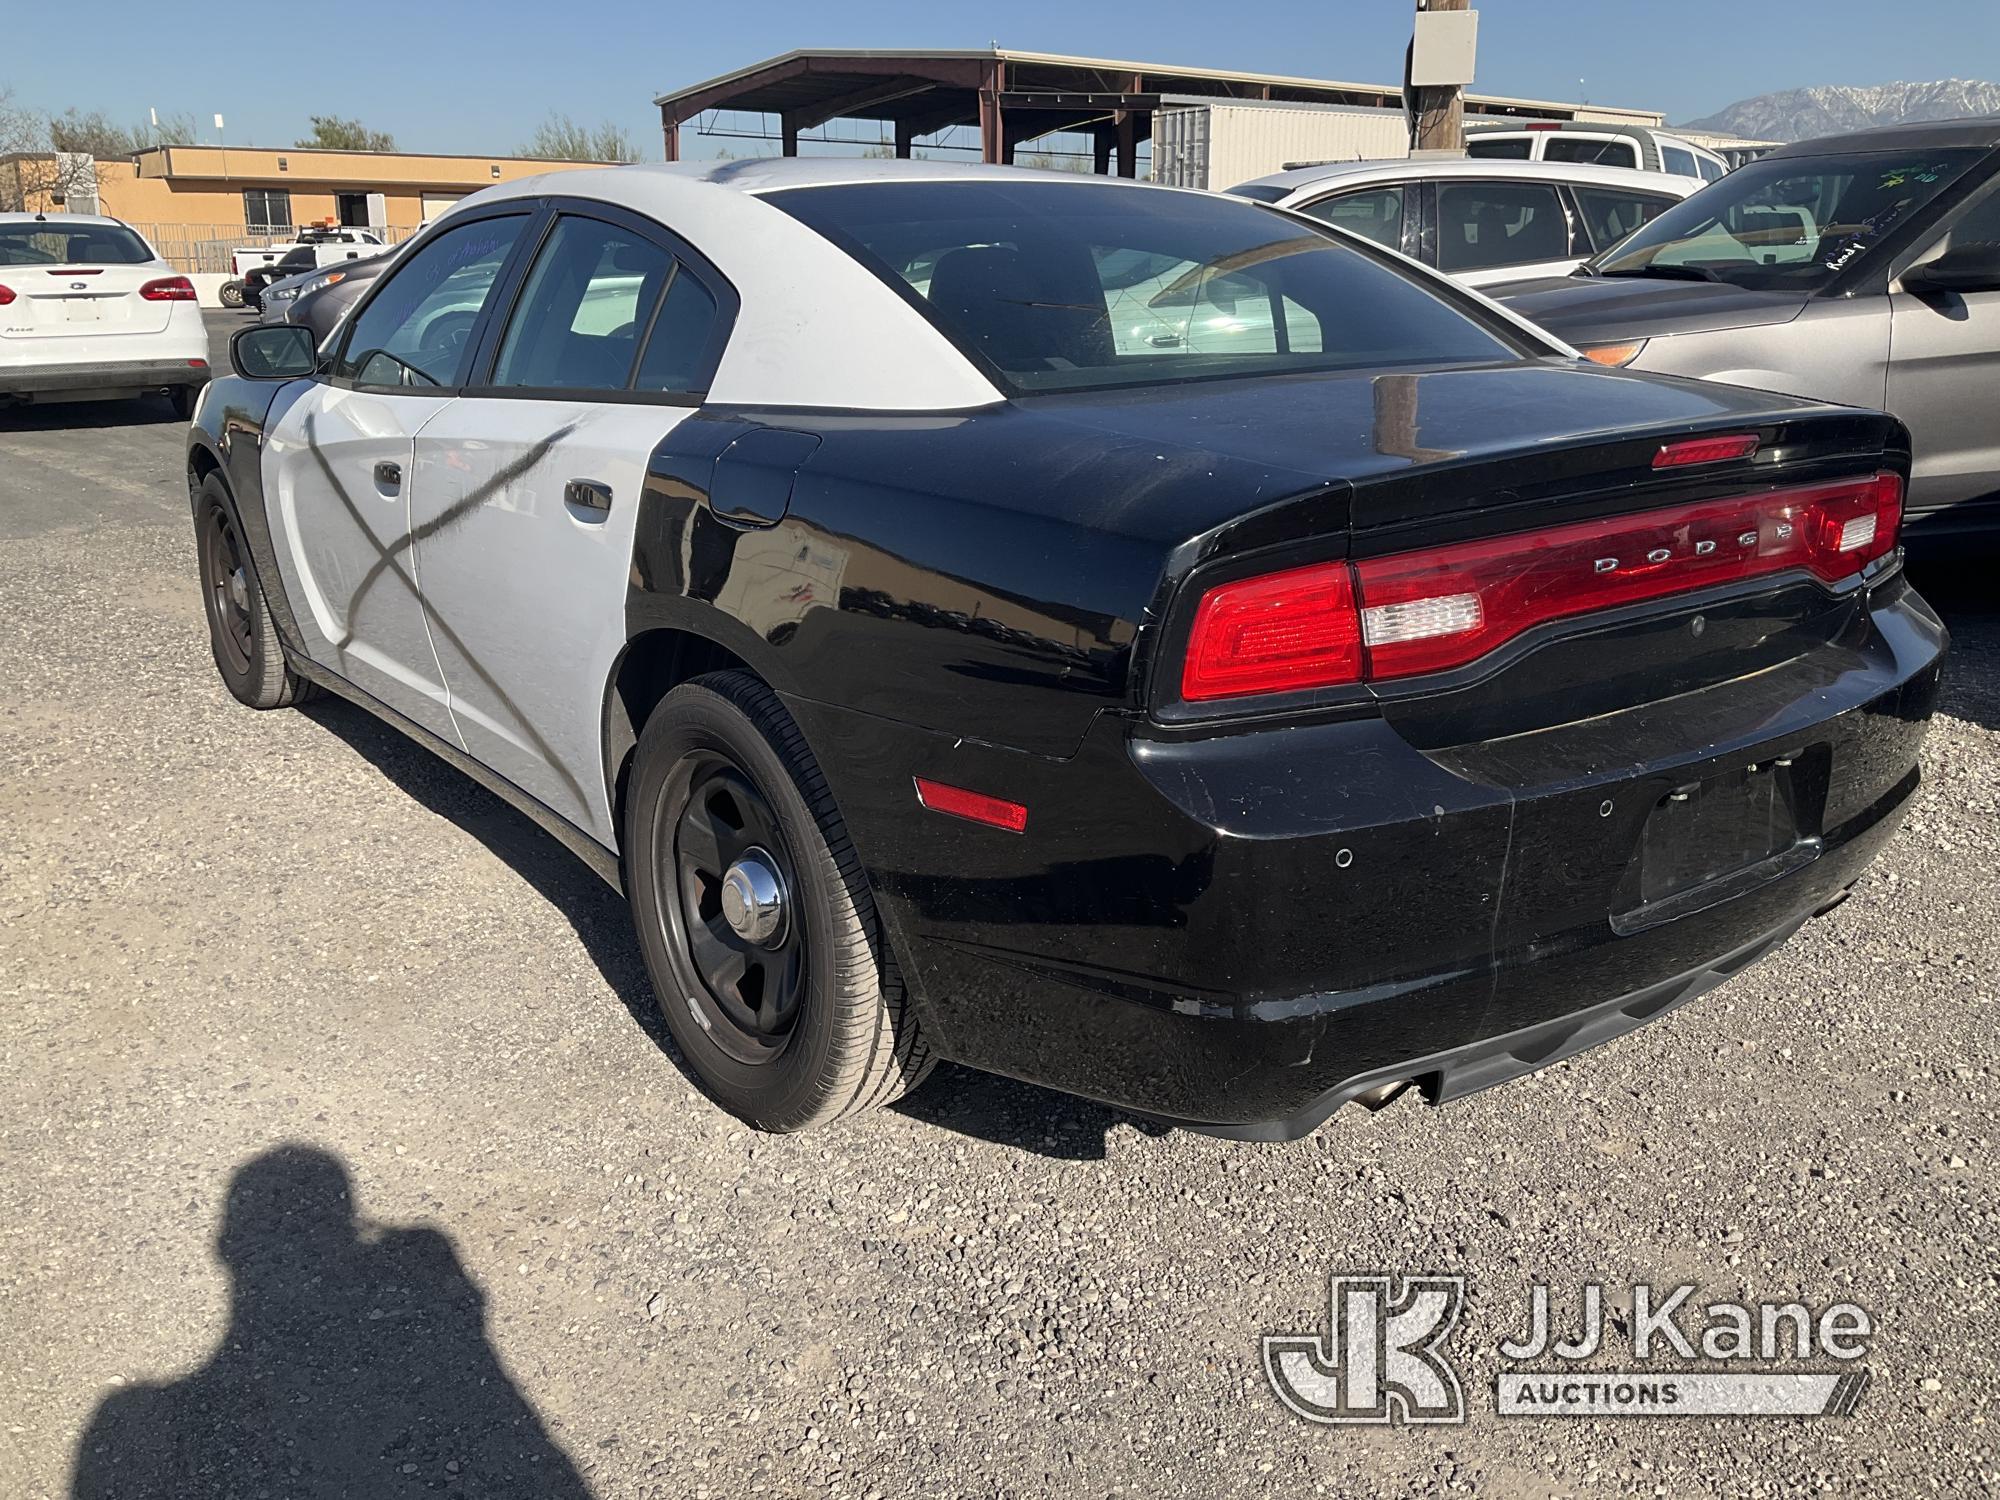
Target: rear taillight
1274, 634
1415, 612
168, 289
6, 295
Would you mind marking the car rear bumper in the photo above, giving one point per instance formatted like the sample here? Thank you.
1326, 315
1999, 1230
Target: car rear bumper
1241, 933
103, 375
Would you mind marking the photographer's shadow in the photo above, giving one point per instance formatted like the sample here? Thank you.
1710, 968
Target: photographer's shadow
355, 1363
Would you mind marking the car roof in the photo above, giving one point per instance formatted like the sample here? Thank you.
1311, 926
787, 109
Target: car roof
771, 174
1328, 174
92, 221
1919, 135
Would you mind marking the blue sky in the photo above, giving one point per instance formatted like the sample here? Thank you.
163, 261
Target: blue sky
449, 76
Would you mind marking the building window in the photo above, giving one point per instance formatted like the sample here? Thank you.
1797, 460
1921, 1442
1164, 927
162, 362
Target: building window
267, 210
284, 165
496, 171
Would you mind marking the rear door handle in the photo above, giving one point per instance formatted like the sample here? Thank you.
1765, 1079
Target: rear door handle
389, 475
587, 494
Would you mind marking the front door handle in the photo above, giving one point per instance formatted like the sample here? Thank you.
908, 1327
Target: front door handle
388, 476
587, 494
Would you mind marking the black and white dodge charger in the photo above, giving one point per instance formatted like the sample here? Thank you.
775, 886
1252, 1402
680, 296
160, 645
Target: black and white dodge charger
1133, 640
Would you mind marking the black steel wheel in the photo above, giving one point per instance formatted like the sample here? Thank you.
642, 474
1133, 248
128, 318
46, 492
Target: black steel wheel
226, 590
755, 917
241, 634
733, 895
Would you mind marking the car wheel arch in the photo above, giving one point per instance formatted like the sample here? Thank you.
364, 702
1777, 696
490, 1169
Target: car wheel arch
654, 662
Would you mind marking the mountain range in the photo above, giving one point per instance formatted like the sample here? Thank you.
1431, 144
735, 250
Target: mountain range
1800, 114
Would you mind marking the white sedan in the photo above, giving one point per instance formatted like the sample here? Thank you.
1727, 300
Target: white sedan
89, 311
1479, 221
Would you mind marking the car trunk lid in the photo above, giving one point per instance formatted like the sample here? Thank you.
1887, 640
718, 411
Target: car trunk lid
82, 301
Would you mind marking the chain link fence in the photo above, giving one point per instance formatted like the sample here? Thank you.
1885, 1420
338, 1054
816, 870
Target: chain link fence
196, 248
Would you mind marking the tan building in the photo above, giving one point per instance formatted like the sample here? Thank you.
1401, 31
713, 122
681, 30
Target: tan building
195, 202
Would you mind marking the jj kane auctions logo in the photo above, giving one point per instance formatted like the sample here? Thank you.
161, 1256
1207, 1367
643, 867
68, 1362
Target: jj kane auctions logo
1385, 1356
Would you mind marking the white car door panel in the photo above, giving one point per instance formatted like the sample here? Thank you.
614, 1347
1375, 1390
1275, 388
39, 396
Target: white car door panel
340, 469
525, 582
526, 589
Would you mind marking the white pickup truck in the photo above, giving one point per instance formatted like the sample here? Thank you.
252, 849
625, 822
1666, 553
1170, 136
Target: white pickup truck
329, 245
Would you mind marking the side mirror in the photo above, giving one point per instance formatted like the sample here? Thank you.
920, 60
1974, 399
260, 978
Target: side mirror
273, 351
1963, 268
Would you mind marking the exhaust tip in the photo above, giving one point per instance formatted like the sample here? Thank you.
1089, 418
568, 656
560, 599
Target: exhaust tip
1382, 1095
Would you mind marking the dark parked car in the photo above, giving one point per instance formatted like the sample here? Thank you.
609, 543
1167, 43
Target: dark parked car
317, 299
1859, 268
1371, 694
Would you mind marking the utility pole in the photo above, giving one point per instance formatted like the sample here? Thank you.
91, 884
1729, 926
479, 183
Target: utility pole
1441, 56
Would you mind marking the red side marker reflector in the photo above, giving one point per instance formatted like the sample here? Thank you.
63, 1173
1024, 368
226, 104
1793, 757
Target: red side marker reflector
977, 807
1708, 450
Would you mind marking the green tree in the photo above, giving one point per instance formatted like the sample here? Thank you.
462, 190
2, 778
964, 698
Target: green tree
338, 133
559, 138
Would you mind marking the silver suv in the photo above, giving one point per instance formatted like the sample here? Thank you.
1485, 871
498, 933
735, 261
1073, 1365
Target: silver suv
1863, 269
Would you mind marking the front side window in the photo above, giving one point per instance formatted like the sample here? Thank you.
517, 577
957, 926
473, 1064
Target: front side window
1679, 162
417, 329
1604, 151
1794, 221
267, 210
1612, 213
1486, 224
1063, 287
54, 243
1509, 148
1373, 213
1711, 171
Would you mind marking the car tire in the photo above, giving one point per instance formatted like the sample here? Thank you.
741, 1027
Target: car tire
231, 294
241, 635
724, 788
182, 399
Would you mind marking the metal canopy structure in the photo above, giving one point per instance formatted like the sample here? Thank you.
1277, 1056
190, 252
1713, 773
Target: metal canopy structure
1017, 97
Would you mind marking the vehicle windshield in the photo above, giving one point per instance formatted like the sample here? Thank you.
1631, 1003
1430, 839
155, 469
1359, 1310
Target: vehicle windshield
1790, 222
1074, 286
55, 244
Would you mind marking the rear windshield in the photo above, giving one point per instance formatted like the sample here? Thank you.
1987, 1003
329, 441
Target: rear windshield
1783, 222
1071, 286
54, 244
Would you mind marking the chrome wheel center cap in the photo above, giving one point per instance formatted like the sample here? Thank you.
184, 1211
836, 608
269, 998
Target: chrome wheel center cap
239, 590
753, 898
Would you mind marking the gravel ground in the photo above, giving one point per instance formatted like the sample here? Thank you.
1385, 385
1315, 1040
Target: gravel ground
343, 1153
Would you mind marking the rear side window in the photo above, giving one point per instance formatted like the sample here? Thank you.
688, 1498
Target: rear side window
417, 329
1486, 224
604, 308
1679, 161
51, 244
1261, 192
583, 309
1516, 148
1070, 286
1609, 214
1711, 171
1604, 152
678, 350
1373, 213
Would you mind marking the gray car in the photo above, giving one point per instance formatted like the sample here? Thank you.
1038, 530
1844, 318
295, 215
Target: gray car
319, 299
1863, 269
